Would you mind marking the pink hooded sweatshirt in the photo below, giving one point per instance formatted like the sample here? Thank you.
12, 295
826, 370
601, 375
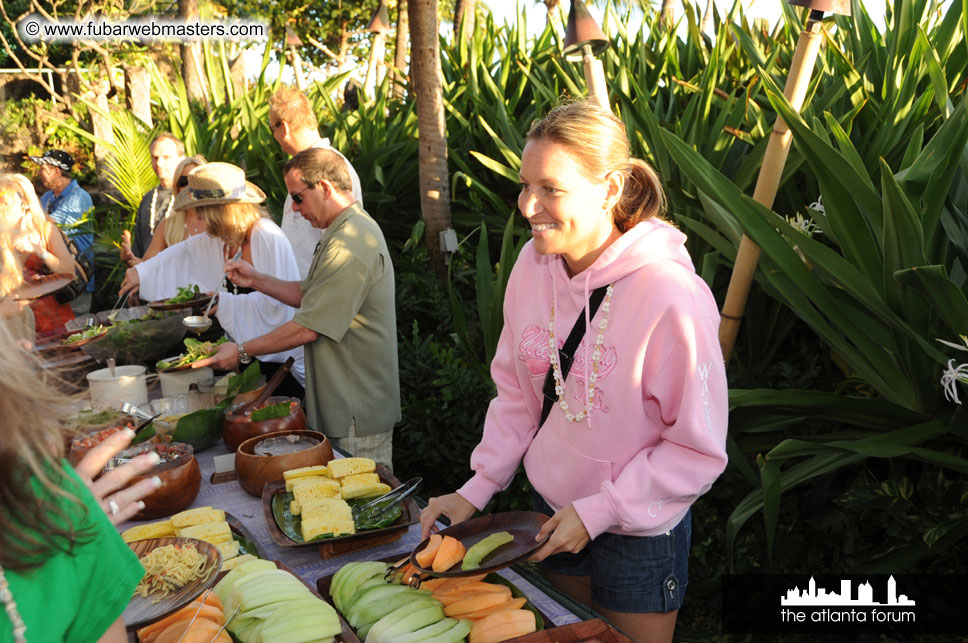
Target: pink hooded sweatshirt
655, 437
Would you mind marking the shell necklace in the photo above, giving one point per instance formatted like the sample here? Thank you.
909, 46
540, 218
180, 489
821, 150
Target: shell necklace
10, 606
596, 356
154, 219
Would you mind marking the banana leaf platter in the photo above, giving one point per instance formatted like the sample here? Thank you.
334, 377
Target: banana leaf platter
285, 529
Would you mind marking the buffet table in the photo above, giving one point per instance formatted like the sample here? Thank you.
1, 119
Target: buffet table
306, 561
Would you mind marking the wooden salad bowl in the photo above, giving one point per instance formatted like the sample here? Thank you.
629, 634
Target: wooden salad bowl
254, 471
181, 479
237, 427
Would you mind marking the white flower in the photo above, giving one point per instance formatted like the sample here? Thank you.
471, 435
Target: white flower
964, 340
804, 225
950, 378
818, 205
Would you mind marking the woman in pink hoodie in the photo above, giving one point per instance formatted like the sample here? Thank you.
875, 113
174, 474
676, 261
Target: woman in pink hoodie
637, 427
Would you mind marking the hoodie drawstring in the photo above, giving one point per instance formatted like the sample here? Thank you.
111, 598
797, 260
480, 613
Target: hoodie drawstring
589, 390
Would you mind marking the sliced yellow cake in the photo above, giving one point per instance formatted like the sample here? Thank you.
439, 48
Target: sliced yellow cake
327, 516
161, 529
310, 488
211, 532
197, 517
348, 466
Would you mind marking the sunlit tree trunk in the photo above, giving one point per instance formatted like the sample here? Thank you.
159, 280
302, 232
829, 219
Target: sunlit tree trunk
137, 85
425, 74
191, 56
464, 11
668, 12
707, 17
400, 53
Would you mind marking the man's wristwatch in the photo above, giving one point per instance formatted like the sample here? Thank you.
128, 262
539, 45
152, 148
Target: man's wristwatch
244, 358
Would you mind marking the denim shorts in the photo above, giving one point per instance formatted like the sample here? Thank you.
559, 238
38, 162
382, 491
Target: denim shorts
634, 574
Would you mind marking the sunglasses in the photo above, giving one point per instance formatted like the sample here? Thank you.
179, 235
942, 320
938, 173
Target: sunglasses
183, 181
297, 197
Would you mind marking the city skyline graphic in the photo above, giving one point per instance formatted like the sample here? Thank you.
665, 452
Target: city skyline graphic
814, 595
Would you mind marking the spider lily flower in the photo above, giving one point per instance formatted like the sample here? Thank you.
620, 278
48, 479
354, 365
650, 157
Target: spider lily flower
950, 378
803, 224
962, 347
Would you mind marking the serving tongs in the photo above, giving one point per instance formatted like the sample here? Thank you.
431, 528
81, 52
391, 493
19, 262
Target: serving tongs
394, 497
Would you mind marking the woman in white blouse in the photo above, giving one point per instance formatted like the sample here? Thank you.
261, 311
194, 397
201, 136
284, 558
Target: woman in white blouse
236, 225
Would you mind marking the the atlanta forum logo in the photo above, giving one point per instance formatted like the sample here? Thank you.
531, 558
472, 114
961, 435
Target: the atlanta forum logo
817, 605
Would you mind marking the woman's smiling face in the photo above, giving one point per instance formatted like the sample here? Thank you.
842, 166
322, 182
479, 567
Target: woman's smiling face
569, 214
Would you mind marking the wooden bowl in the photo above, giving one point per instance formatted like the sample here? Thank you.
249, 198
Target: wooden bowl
81, 443
237, 427
254, 471
181, 479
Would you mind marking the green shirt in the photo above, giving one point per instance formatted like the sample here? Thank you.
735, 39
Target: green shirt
348, 299
75, 597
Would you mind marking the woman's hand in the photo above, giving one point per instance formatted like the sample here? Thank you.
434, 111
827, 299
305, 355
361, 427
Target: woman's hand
127, 256
241, 273
118, 505
453, 505
225, 359
131, 282
11, 307
568, 534
27, 245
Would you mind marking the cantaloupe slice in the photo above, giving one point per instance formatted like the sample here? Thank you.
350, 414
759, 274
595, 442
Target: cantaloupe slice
513, 604
201, 631
476, 603
450, 552
503, 625
149, 633
450, 599
452, 583
425, 557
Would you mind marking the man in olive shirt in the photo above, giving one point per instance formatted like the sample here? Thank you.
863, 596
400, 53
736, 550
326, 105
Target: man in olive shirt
346, 319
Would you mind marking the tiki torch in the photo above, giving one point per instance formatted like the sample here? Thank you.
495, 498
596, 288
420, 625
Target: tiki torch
584, 40
772, 169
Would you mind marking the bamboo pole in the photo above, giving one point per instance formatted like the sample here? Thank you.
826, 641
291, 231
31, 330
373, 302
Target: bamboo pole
595, 77
768, 180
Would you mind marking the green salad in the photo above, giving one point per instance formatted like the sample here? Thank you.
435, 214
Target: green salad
87, 333
194, 351
185, 294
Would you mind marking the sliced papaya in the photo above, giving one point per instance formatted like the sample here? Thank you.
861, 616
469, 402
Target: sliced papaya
449, 554
425, 557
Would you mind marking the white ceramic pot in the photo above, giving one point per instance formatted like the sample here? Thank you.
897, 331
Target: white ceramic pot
177, 383
126, 385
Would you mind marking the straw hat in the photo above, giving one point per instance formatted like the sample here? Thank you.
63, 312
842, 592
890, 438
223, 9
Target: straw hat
217, 184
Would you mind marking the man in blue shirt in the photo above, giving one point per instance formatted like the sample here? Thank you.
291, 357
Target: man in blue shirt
66, 203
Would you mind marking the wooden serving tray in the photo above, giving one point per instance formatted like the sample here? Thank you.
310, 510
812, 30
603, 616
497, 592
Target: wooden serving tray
323, 583
340, 545
593, 631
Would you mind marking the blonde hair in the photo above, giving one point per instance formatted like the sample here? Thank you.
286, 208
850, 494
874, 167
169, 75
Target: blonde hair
29, 220
175, 228
31, 447
291, 105
230, 222
597, 139
34, 219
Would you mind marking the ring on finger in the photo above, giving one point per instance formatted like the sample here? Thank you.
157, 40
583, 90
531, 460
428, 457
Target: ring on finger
113, 506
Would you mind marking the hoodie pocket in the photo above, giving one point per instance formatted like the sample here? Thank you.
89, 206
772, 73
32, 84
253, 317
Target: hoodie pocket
559, 472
